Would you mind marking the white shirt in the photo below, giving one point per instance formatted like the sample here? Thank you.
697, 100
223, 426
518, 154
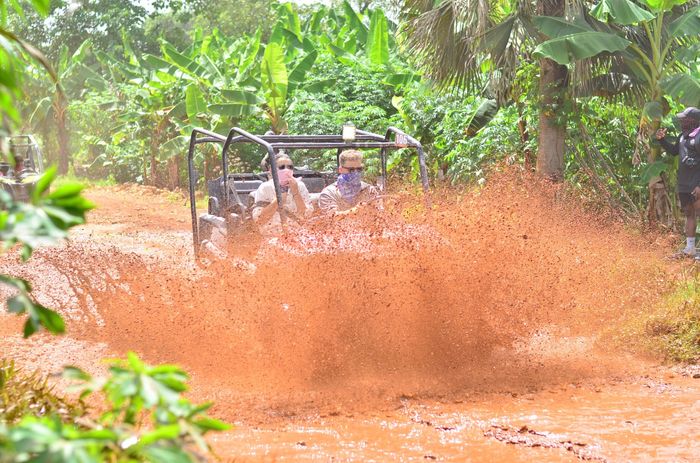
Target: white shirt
265, 194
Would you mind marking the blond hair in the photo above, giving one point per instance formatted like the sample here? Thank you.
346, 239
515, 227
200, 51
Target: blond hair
350, 155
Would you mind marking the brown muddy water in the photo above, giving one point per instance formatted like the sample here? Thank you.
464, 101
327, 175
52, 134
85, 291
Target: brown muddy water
475, 333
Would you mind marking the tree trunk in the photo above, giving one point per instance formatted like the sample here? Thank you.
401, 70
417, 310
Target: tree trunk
153, 180
524, 138
552, 124
173, 173
61, 114
660, 209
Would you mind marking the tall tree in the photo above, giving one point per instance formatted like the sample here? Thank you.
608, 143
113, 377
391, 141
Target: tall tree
70, 23
456, 40
553, 88
641, 52
234, 18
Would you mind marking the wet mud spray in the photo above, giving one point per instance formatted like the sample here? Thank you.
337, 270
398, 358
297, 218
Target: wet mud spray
502, 289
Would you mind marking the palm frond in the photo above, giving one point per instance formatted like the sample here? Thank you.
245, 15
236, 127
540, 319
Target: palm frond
445, 39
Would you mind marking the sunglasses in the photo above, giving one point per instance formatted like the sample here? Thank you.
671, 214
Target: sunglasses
353, 169
285, 166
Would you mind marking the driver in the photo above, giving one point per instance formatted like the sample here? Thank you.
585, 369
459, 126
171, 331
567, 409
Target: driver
345, 195
295, 197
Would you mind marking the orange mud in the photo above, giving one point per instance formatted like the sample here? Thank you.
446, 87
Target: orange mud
430, 336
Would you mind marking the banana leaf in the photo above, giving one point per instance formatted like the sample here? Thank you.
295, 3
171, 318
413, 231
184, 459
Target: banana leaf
622, 12
274, 78
686, 25
240, 97
355, 21
296, 77
663, 5
573, 47
683, 87
194, 101
232, 109
554, 27
378, 40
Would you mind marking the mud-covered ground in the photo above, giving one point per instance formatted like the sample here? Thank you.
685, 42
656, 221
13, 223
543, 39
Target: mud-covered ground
478, 332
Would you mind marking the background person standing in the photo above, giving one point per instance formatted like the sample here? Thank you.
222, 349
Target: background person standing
686, 147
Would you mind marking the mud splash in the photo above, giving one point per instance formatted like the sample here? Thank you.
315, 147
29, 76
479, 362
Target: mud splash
507, 293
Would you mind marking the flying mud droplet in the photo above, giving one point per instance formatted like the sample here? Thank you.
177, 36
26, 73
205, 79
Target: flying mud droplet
476, 293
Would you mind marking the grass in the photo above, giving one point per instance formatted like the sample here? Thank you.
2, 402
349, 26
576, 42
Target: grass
175, 197
672, 330
29, 393
71, 178
675, 328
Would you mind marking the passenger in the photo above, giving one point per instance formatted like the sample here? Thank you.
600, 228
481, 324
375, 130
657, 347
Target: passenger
349, 191
295, 197
17, 166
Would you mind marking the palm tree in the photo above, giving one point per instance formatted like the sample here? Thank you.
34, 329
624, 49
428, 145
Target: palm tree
456, 40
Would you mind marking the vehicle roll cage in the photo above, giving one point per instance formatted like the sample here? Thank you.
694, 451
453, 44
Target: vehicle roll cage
392, 140
33, 152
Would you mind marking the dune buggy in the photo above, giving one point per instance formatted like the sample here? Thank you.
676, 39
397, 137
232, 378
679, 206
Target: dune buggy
230, 201
19, 176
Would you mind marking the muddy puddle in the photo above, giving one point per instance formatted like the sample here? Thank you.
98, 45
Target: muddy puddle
639, 420
487, 344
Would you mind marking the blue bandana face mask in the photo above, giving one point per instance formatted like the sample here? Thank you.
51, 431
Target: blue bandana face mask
350, 185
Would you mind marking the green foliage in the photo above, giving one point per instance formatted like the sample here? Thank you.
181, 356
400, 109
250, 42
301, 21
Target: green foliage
46, 219
42, 222
148, 104
378, 43
69, 24
146, 419
37, 315
579, 46
683, 87
469, 158
674, 330
232, 18
612, 129
13, 57
622, 12
275, 81
648, 40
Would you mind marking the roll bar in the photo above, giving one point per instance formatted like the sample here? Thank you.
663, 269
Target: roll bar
393, 139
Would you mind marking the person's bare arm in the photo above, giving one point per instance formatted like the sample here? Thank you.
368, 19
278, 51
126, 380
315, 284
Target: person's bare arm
296, 196
345, 212
327, 203
269, 210
670, 148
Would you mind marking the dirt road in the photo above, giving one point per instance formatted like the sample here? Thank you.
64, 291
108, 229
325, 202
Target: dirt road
491, 346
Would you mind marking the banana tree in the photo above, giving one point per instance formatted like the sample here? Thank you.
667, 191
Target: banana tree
72, 77
219, 88
16, 53
641, 52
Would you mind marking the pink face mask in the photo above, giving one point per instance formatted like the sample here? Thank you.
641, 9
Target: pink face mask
285, 175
